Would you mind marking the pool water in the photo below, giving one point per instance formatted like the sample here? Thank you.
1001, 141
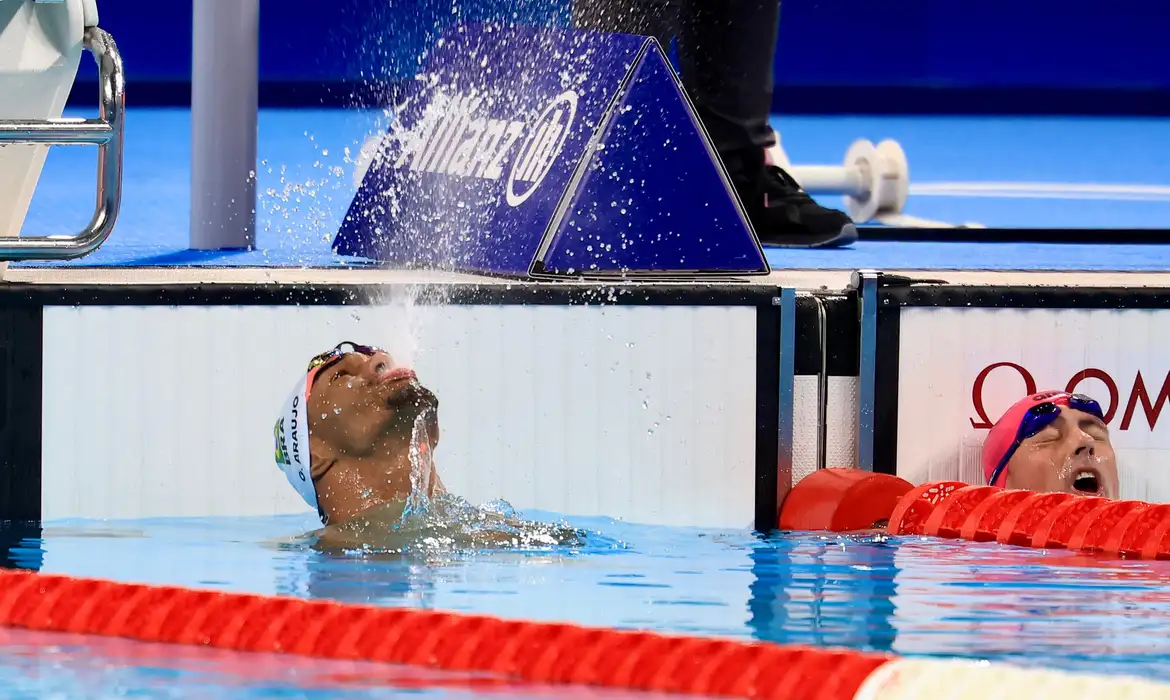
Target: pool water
37, 665
911, 596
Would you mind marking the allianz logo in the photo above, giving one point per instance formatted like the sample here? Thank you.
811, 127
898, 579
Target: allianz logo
455, 137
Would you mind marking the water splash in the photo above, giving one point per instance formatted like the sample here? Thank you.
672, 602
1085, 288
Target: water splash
422, 466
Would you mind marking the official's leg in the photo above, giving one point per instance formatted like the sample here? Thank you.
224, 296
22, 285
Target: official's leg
726, 50
726, 55
654, 18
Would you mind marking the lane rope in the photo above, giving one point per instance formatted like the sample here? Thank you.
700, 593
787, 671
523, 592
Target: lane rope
1084, 524
841, 499
537, 652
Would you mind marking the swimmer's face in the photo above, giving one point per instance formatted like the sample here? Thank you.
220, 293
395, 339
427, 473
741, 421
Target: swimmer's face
1071, 454
365, 405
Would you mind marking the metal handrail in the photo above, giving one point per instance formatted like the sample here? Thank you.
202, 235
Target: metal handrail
105, 132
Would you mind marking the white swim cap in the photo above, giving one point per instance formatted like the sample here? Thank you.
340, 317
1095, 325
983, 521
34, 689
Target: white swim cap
291, 431
292, 442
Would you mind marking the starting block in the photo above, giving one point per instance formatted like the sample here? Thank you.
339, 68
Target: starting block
547, 153
41, 43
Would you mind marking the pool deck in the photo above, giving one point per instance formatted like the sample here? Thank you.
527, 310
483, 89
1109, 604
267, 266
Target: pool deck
1003, 173
828, 280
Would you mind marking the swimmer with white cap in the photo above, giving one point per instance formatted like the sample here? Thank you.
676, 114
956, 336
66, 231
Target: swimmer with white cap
1052, 441
343, 439
352, 438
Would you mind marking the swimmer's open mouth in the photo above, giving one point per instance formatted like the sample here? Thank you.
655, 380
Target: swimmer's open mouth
397, 374
1087, 481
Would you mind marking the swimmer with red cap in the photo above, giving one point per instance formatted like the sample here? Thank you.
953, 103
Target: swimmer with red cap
1052, 441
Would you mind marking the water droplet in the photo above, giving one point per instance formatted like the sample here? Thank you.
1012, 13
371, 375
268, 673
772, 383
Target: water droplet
645, 405
324, 416
337, 411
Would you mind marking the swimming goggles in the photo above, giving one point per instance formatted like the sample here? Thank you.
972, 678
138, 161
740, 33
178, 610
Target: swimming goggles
1040, 417
330, 356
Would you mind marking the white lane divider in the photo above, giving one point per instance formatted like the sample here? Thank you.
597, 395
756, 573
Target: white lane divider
938, 679
1044, 190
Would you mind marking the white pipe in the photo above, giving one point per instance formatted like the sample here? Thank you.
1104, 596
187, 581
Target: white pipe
224, 84
829, 179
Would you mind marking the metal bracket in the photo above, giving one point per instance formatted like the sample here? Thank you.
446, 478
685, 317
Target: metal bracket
105, 132
787, 390
866, 283
822, 384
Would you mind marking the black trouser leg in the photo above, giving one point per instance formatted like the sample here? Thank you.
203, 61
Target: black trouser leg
726, 53
726, 50
656, 18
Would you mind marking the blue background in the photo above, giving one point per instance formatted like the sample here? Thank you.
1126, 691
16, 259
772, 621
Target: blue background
941, 56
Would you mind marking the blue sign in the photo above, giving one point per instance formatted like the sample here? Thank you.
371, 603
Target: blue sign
535, 152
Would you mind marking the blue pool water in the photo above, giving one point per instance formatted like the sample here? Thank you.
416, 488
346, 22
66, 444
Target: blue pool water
911, 596
37, 666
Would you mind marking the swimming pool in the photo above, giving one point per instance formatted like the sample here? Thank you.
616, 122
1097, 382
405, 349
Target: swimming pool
905, 595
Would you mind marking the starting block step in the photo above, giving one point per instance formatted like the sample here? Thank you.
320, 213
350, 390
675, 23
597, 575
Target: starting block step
548, 153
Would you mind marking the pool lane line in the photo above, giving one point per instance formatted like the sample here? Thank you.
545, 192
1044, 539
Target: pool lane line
1044, 190
538, 652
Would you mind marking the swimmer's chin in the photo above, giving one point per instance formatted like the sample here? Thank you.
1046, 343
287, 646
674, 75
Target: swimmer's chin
409, 392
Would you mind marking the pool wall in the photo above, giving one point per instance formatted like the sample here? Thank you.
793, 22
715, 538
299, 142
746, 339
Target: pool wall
646, 408
130, 396
952, 358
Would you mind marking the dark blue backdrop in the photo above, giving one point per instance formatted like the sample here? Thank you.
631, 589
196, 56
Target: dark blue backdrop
1063, 56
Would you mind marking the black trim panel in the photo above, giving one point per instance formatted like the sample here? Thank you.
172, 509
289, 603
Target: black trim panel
272, 294
21, 341
885, 420
843, 336
1030, 297
767, 418
1057, 236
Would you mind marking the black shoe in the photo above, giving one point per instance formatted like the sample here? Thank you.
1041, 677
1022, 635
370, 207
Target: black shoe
782, 214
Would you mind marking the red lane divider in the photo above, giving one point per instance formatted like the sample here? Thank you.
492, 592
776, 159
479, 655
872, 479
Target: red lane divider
954, 510
530, 651
911, 513
983, 524
841, 500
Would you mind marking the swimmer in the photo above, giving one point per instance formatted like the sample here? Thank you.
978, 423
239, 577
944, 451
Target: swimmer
356, 439
1052, 441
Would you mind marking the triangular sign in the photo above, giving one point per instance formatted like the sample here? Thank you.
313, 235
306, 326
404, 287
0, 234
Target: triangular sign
654, 198
534, 152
